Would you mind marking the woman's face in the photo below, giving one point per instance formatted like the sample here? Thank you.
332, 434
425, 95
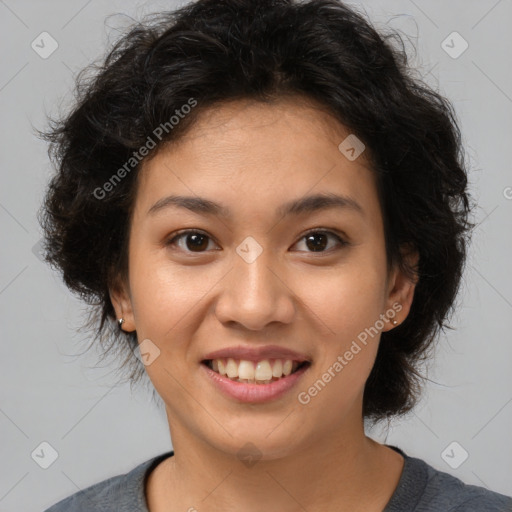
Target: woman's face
255, 277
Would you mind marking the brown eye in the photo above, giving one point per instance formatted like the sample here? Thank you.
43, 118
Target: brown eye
317, 241
195, 241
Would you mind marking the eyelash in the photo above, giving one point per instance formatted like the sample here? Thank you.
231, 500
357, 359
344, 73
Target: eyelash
342, 242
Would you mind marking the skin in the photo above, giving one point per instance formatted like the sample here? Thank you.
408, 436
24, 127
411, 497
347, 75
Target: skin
252, 157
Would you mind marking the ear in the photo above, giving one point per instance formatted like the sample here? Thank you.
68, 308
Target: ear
401, 286
122, 303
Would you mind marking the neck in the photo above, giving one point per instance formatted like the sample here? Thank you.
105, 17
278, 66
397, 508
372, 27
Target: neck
344, 472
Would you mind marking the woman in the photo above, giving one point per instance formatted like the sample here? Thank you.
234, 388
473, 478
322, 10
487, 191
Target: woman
273, 214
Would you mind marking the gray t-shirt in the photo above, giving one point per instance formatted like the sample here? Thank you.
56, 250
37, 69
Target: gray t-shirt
421, 489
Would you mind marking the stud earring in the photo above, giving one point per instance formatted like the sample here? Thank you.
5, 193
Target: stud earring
120, 322
395, 322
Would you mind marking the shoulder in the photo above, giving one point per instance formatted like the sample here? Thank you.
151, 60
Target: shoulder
95, 498
422, 488
454, 495
121, 492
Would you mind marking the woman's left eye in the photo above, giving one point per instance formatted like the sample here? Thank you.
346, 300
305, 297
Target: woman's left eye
318, 240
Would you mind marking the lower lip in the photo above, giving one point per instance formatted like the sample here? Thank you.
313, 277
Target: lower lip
254, 393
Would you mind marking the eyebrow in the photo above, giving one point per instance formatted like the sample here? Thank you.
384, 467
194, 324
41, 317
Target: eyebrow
308, 204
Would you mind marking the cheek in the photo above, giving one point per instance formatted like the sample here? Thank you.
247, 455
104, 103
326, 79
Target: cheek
344, 300
168, 299
347, 305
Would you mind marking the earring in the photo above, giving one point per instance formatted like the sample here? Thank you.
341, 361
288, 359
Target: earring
120, 322
395, 322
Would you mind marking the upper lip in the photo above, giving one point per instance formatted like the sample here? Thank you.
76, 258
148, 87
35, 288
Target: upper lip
257, 354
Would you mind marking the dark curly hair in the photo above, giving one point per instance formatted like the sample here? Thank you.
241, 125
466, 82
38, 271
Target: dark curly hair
211, 51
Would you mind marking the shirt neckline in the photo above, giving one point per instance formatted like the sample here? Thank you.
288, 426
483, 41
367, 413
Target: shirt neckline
411, 485
406, 496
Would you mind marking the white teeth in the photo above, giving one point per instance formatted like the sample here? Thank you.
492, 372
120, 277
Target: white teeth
278, 368
231, 368
246, 370
262, 371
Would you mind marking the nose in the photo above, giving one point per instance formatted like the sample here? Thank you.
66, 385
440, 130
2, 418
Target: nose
255, 294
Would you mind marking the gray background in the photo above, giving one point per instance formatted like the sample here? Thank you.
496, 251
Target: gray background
100, 430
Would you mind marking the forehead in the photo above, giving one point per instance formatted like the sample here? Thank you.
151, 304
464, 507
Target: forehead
244, 151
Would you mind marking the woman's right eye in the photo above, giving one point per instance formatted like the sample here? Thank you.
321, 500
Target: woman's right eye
194, 241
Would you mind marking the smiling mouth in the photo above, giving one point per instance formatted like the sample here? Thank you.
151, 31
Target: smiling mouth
264, 371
